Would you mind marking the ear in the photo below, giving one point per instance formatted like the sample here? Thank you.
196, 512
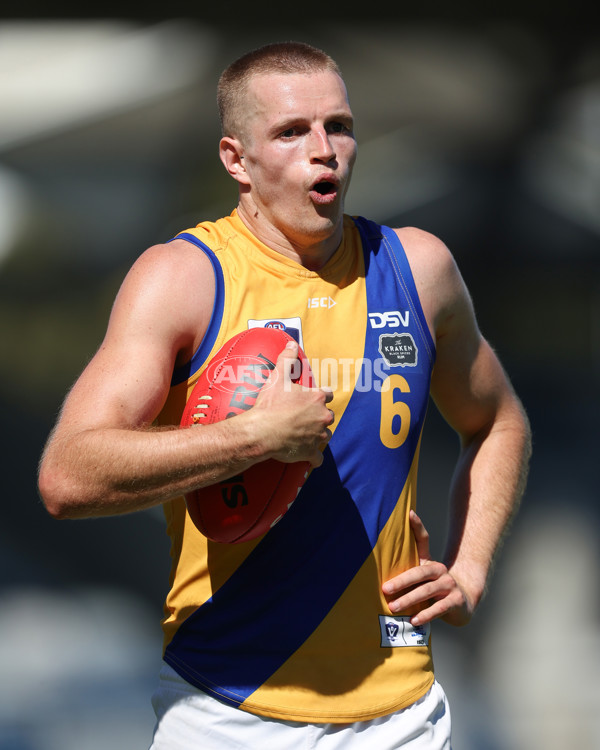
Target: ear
232, 156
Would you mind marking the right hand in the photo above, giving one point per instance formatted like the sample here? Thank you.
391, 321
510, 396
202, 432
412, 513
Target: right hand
296, 418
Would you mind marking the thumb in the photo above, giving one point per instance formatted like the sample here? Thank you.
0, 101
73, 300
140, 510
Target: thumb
287, 361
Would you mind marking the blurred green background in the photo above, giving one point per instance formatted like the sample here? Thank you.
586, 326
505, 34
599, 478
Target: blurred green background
484, 131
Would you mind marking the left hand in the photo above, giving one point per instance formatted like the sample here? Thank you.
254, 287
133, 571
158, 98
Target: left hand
430, 584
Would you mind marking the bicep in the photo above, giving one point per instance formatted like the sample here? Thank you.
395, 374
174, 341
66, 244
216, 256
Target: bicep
470, 387
122, 387
469, 384
160, 311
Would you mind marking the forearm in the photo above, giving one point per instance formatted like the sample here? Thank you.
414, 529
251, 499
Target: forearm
487, 486
111, 471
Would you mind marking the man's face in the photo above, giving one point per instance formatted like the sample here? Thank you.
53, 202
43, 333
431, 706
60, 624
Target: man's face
299, 150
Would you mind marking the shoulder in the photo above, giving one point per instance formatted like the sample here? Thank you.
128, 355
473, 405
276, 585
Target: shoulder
430, 259
172, 262
176, 274
169, 291
442, 291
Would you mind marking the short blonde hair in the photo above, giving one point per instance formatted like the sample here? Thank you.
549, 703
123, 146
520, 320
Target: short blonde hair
280, 57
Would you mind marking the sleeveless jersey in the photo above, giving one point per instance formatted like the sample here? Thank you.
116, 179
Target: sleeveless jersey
294, 625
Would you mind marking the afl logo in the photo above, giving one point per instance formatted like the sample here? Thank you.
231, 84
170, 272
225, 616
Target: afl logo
291, 326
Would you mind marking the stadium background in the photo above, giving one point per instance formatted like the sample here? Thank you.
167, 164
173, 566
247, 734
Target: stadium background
485, 131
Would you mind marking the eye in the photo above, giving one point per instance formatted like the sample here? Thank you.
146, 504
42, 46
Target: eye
338, 127
291, 132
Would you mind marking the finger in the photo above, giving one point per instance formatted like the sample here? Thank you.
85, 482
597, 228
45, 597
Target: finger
316, 459
451, 608
421, 536
413, 578
328, 394
436, 610
440, 593
286, 361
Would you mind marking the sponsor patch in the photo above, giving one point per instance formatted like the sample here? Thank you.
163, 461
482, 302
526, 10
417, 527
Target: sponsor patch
398, 349
397, 632
389, 319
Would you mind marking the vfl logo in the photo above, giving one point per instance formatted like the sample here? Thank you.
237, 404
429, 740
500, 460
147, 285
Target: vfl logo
398, 349
397, 632
389, 319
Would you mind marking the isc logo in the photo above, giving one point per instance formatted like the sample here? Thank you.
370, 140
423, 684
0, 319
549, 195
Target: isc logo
325, 302
391, 318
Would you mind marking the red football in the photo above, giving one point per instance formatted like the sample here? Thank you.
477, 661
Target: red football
247, 505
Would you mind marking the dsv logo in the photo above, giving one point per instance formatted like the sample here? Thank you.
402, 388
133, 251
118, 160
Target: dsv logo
390, 319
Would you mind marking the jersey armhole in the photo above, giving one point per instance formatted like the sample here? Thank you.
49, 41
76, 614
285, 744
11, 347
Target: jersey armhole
183, 372
381, 236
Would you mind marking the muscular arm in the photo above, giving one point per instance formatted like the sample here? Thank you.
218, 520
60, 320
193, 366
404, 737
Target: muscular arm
476, 398
104, 457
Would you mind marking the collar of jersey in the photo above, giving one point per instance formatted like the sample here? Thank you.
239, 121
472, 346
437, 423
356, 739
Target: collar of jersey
337, 268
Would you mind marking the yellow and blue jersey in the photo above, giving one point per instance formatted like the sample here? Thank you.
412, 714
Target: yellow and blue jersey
294, 625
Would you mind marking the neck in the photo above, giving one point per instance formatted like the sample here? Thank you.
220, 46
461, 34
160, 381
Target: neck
310, 250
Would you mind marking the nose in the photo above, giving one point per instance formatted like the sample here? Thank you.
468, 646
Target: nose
321, 146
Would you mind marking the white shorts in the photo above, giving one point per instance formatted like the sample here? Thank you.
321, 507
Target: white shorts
188, 719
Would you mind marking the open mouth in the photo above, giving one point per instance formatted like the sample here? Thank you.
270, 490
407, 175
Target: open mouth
324, 192
325, 188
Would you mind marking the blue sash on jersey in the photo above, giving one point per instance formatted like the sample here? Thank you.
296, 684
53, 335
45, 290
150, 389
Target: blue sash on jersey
287, 585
